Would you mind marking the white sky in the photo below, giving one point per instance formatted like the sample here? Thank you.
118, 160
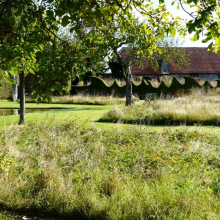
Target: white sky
175, 12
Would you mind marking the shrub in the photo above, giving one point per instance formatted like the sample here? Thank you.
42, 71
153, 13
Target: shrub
168, 86
6, 91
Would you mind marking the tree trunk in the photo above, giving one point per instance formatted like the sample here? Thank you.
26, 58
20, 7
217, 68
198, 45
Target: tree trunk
128, 86
15, 89
22, 98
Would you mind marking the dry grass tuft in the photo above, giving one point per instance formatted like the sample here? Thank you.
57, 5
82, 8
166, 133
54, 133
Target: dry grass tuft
199, 107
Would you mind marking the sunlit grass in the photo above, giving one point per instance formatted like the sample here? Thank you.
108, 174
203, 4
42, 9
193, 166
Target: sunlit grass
197, 108
77, 172
64, 163
83, 113
84, 99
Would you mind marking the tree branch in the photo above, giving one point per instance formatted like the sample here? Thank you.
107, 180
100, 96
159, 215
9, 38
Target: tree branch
128, 5
121, 44
185, 9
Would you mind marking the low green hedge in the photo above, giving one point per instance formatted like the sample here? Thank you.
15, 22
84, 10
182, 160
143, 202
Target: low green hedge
100, 87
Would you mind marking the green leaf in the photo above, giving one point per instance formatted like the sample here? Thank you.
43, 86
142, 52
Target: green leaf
9, 80
164, 15
39, 54
41, 46
210, 47
105, 13
98, 21
72, 29
65, 21
161, 1
217, 40
60, 13
13, 71
173, 32
60, 90
53, 88
215, 50
18, 12
195, 38
206, 40
191, 27
34, 96
67, 91
32, 71
80, 78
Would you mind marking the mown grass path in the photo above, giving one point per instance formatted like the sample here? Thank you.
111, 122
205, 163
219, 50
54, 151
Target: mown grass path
86, 115
59, 112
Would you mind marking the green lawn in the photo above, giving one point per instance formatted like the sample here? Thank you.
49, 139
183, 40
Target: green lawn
83, 114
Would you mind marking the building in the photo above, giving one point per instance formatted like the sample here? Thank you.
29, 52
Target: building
202, 64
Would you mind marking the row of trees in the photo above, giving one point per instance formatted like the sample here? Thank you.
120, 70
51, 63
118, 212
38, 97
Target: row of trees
31, 40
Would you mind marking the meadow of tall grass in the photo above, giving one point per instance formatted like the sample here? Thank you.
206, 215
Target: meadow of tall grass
198, 108
83, 98
71, 172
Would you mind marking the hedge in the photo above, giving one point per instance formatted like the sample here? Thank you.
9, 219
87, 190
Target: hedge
6, 90
99, 87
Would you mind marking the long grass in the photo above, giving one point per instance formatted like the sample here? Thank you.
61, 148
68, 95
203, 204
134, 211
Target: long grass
84, 99
198, 108
73, 172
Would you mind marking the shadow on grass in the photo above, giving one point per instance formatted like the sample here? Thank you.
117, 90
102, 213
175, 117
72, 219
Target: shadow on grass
37, 108
37, 214
162, 122
64, 108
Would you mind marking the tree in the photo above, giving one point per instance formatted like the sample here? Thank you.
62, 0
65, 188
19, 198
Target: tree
205, 16
23, 31
30, 44
57, 63
140, 38
27, 25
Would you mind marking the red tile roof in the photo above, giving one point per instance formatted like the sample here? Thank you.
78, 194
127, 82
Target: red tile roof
201, 61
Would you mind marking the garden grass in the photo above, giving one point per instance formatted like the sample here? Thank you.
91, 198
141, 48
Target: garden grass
199, 108
86, 115
83, 99
65, 164
82, 113
73, 172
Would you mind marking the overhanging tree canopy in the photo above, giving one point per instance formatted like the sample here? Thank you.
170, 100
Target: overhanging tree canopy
205, 18
27, 26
